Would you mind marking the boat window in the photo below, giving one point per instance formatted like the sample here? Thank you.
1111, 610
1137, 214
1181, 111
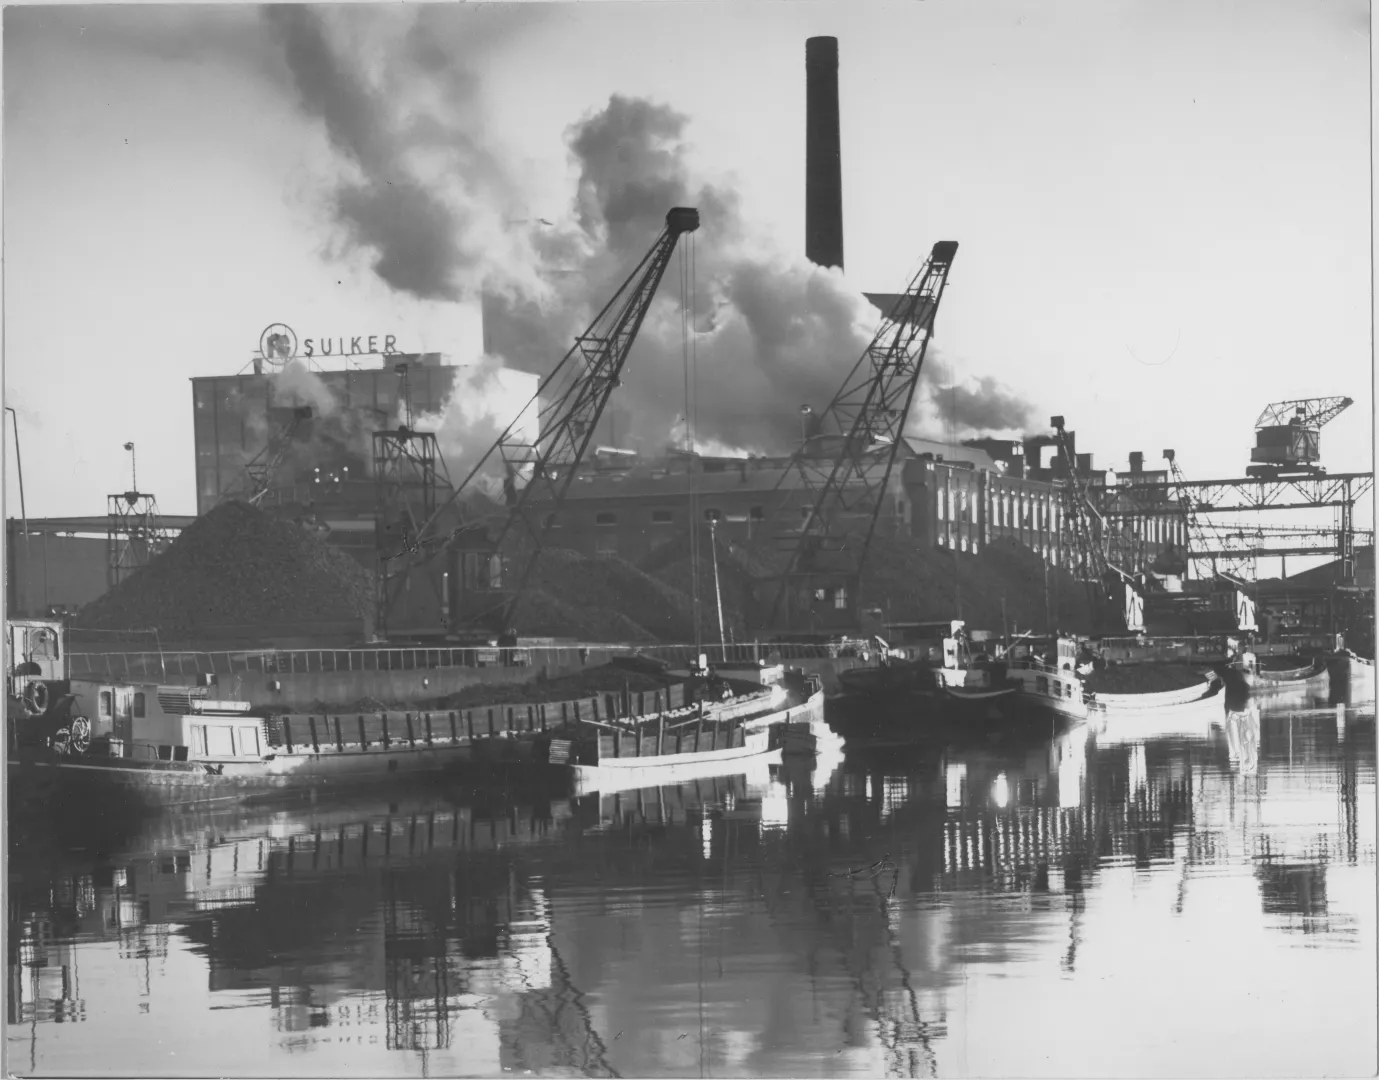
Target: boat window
139, 705
220, 741
42, 644
249, 741
106, 708
1041, 684
199, 740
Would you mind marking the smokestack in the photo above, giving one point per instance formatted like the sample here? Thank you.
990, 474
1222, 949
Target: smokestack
1136, 462
823, 177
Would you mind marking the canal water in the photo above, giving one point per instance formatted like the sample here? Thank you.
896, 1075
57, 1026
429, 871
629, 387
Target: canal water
1123, 903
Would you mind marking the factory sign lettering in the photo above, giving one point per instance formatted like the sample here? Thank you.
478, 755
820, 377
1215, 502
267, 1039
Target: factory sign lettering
279, 344
355, 346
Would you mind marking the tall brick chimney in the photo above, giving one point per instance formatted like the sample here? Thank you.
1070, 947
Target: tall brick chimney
823, 177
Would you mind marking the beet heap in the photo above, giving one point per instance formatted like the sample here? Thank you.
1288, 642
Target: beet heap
237, 566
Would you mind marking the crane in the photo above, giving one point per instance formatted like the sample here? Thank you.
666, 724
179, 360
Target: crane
1287, 435
1090, 533
538, 461
1202, 534
847, 471
261, 468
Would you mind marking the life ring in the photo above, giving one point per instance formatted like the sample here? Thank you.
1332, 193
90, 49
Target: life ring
79, 734
36, 697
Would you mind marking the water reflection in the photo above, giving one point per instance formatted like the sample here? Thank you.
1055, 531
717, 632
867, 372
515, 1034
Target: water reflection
889, 912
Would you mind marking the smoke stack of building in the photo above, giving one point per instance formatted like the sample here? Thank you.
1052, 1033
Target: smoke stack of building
823, 192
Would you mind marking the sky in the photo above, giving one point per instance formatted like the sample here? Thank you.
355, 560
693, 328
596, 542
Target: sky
1163, 209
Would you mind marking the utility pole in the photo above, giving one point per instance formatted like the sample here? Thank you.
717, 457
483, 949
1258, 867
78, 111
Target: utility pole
23, 510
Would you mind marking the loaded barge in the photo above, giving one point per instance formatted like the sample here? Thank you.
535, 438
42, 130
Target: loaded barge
155, 746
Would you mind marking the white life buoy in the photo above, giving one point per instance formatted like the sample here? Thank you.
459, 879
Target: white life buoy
36, 697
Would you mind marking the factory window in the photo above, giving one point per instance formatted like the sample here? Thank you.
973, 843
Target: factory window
607, 544
550, 522
964, 543
820, 594
712, 514
840, 598
105, 708
139, 706
663, 517
605, 517
757, 513
942, 514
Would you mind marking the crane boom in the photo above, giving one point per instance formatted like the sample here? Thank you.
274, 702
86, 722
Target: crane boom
1090, 533
848, 479
1311, 413
538, 466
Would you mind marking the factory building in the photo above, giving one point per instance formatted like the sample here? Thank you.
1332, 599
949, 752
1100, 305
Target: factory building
243, 421
957, 497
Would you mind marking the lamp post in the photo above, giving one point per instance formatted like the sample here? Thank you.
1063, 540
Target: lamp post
805, 413
133, 467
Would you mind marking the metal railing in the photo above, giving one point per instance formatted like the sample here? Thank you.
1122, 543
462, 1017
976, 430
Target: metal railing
187, 663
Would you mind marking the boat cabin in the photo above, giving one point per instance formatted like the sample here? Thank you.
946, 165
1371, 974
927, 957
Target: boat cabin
762, 673
168, 723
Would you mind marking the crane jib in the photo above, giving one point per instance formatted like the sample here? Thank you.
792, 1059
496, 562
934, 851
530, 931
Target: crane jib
576, 393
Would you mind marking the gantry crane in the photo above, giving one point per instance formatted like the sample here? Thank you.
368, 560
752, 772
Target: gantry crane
847, 470
1287, 436
474, 577
1105, 579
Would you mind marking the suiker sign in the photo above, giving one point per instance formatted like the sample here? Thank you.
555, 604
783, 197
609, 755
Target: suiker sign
278, 344
355, 346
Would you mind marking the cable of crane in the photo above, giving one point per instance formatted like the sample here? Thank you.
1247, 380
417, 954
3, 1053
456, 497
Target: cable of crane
689, 364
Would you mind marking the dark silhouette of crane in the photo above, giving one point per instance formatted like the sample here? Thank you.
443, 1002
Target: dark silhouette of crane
1106, 581
481, 573
846, 467
1287, 439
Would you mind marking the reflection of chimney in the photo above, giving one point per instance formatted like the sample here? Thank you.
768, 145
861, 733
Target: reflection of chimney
823, 178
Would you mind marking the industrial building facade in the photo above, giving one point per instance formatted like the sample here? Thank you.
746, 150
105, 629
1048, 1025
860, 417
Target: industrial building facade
241, 419
952, 497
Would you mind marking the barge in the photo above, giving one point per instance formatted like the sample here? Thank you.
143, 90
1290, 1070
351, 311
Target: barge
152, 747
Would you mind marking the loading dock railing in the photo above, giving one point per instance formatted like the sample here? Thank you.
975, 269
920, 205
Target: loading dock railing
186, 663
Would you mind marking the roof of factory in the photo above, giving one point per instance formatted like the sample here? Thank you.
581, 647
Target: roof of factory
662, 476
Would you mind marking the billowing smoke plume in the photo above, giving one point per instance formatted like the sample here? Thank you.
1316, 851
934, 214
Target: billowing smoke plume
424, 197
963, 406
770, 332
487, 397
428, 195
